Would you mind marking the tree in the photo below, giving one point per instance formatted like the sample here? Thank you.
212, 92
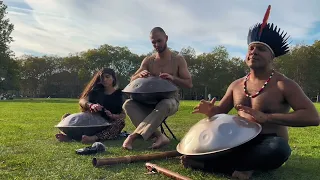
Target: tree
8, 79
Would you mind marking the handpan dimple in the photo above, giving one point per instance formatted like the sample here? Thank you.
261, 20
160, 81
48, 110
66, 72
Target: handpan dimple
227, 129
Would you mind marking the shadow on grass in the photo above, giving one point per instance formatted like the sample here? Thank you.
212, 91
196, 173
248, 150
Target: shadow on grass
297, 167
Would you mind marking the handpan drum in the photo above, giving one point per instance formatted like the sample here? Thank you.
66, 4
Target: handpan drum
218, 133
83, 123
150, 90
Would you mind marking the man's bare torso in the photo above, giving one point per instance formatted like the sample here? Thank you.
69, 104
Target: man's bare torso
168, 65
271, 100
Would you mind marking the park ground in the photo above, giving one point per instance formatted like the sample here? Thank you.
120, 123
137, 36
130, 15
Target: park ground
29, 150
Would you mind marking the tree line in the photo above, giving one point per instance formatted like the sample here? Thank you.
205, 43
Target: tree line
65, 77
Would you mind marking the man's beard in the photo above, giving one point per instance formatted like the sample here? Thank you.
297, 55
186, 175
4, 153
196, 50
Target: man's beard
163, 49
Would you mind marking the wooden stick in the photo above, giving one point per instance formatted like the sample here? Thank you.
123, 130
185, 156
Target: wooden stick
166, 172
135, 158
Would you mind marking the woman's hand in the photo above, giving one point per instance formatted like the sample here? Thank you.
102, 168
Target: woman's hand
95, 107
108, 113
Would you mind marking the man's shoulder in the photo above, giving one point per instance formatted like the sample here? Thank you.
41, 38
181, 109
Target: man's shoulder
178, 58
237, 82
285, 83
148, 58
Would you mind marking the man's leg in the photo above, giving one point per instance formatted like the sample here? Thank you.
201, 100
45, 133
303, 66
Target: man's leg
264, 153
136, 111
149, 125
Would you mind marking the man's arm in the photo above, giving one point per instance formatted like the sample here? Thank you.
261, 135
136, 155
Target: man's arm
143, 66
225, 105
304, 114
184, 77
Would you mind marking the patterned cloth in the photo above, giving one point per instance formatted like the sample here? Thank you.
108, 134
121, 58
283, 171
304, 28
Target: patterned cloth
112, 131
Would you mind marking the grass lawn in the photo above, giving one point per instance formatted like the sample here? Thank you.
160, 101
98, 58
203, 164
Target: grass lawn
29, 150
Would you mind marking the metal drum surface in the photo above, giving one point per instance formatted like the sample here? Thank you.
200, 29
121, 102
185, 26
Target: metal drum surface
83, 123
151, 84
150, 90
218, 133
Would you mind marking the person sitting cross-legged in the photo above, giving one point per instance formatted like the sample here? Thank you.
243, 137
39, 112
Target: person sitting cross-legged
102, 98
264, 96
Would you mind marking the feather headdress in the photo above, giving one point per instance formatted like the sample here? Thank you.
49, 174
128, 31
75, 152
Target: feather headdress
269, 35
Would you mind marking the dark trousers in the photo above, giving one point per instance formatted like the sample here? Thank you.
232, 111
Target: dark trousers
265, 152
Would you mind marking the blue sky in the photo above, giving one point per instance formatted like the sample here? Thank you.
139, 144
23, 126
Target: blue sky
61, 27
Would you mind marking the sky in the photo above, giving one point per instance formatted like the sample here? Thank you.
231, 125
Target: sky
60, 27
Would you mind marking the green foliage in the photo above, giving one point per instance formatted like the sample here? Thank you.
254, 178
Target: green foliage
29, 150
211, 72
8, 68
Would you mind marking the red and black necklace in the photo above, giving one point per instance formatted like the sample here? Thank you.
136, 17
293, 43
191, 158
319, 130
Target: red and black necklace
257, 93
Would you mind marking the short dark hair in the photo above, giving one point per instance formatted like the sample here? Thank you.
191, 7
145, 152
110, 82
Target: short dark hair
157, 29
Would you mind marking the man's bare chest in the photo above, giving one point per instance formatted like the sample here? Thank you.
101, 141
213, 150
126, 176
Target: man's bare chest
158, 66
270, 100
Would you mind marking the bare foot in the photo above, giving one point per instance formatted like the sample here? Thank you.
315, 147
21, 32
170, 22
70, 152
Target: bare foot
127, 144
88, 139
242, 174
62, 137
162, 140
188, 162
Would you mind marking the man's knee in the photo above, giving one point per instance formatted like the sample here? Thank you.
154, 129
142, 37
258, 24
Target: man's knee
278, 151
127, 104
169, 106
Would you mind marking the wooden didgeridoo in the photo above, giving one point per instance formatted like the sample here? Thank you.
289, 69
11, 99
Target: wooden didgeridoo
97, 162
173, 175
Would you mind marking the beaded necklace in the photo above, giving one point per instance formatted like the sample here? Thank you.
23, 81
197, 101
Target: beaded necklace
257, 93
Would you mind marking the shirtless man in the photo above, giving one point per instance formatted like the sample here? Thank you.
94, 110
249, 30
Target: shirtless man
168, 66
268, 106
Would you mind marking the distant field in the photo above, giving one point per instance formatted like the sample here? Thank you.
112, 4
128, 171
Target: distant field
29, 150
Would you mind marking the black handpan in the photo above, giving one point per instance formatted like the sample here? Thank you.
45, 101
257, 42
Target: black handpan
83, 123
150, 90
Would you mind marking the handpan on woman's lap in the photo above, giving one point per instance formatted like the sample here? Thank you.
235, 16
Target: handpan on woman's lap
102, 117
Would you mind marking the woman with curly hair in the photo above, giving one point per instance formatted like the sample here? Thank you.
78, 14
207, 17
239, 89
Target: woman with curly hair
103, 98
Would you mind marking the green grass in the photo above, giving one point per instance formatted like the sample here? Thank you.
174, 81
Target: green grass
29, 150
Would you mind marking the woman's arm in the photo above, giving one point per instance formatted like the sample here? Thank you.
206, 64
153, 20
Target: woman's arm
84, 103
122, 115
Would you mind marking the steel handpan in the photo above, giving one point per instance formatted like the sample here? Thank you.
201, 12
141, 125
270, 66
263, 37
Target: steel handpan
218, 133
150, 90
83, 123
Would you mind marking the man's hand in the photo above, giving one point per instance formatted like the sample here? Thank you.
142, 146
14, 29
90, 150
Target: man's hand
252, 114
206, 107
166, 76
144, 74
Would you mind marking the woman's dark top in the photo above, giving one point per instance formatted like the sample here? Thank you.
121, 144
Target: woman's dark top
112, 102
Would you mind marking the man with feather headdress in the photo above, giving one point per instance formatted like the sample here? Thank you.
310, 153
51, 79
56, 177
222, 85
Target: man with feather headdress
264, 96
